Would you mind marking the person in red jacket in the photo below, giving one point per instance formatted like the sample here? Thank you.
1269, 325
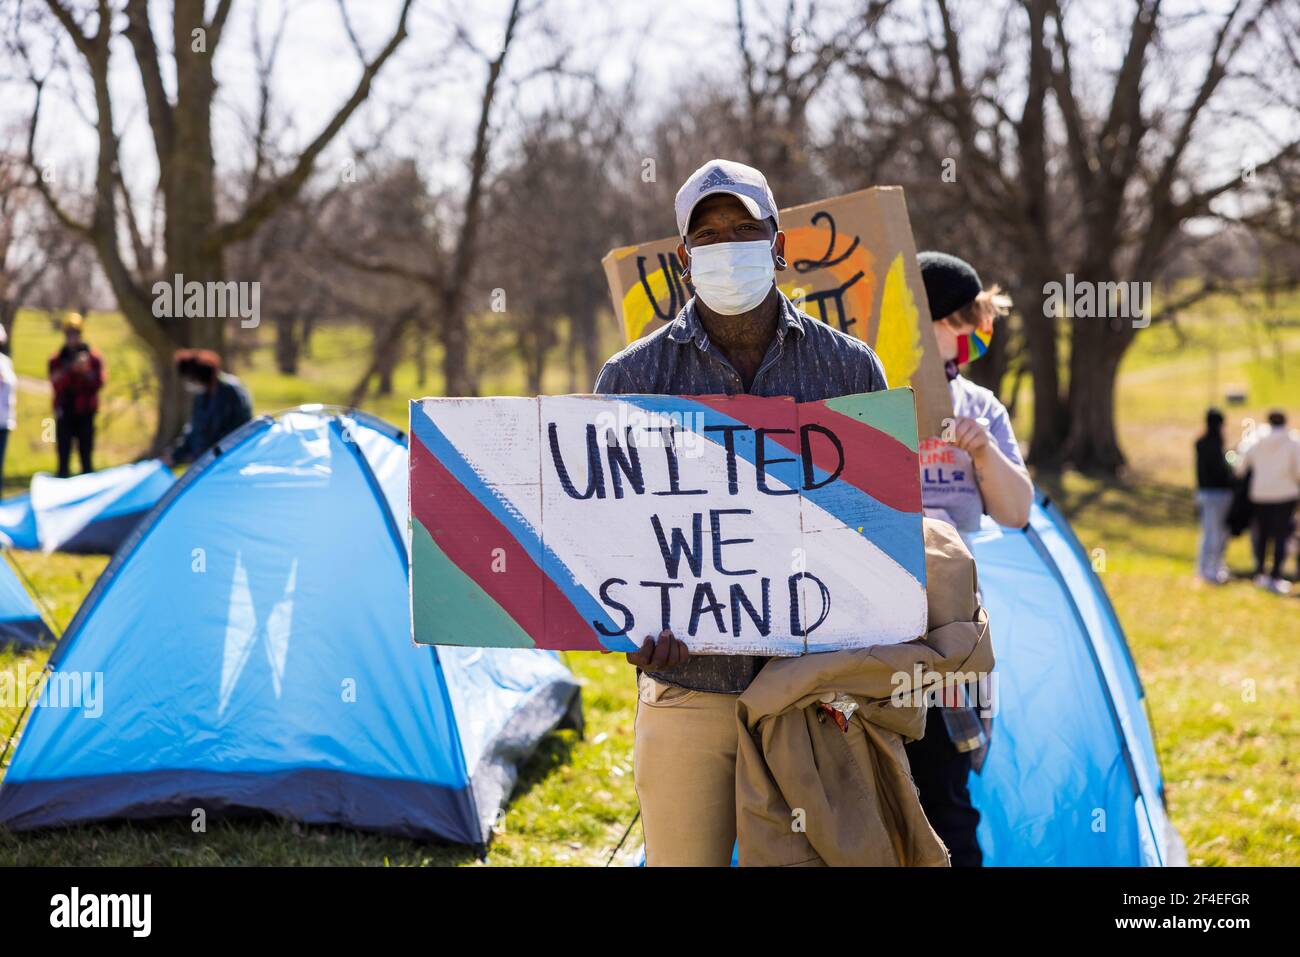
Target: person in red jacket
77, 375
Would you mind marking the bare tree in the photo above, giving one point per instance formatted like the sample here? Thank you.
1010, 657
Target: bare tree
451, 254
194, 235
1053, 177
34, 248
785, 63
555, 208
391, 213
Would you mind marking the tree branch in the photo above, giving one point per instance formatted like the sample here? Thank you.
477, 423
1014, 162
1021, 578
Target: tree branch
288, 185
140, 33
79, 37
218, 24
42, 187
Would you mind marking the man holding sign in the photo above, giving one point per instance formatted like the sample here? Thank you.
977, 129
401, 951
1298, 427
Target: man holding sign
738, 335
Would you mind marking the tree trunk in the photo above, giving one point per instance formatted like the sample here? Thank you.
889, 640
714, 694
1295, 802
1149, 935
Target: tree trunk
172, 409
421, 355
1051, 416
1092, 446
8, 313
287, 343
571, 356
304, 337
189, 186
457, 375
1096, 348
589, 331
388, 351
533, 372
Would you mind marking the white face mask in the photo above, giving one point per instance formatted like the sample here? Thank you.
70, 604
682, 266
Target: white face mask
733, 278
192, 387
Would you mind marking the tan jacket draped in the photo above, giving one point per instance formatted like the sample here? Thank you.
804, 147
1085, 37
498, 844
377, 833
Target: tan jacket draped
808, 793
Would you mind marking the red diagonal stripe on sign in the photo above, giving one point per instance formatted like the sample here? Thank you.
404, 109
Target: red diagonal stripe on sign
874, 461
469, 536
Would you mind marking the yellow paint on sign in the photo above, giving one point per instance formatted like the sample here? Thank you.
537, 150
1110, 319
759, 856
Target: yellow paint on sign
638, 308
898, 343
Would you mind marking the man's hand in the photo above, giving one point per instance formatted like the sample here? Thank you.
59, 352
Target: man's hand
668, 652
970, 436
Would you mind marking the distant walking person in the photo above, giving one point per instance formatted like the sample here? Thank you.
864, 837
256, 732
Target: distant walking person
1213, 499
8, 401
221, 404
77, 375
1272, 457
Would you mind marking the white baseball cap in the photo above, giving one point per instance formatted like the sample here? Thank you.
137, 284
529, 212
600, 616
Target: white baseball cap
725, 176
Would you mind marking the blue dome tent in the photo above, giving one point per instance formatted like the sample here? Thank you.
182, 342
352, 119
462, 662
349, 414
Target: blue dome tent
18, 522
21, 625
252, 639
1071, 776
91, 513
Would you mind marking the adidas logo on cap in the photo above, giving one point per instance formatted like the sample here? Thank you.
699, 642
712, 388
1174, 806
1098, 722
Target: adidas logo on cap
716, 177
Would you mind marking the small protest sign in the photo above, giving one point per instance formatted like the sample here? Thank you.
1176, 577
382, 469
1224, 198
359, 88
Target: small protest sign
852, 264
747, 525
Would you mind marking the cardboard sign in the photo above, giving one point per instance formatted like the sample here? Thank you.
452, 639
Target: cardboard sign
746, 525
852, 264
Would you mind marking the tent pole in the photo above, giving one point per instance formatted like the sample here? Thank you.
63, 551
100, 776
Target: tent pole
40, 599
618, 847
13, 735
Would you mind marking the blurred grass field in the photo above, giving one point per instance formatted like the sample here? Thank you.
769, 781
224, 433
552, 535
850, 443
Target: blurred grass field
1220, 664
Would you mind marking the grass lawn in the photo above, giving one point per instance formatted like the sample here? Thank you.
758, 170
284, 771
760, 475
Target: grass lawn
1219, 664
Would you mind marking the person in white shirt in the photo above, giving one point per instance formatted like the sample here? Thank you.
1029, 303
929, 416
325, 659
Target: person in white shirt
8, 401
972, 469
975, 467
1271, 454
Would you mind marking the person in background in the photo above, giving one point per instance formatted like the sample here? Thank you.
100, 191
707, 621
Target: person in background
974, 468
1213, 499
8, 401
1271, 454
221, 404
77, 375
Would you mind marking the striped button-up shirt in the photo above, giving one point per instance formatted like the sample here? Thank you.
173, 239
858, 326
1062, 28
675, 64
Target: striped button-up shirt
807, 360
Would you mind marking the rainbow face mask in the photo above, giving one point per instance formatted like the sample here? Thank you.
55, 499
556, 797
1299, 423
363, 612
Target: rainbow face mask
972, 345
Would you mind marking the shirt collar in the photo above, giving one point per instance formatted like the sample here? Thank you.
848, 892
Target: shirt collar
687, 326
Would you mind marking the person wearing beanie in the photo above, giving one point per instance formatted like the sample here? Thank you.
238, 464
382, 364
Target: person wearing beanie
973, 468
1214, 483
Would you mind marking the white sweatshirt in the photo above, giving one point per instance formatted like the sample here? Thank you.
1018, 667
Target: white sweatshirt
8, 394
1272, 456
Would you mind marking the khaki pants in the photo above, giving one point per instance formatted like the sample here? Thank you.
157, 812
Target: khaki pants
684, 761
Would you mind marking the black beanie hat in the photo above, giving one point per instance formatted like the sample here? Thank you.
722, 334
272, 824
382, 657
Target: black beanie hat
950, 283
